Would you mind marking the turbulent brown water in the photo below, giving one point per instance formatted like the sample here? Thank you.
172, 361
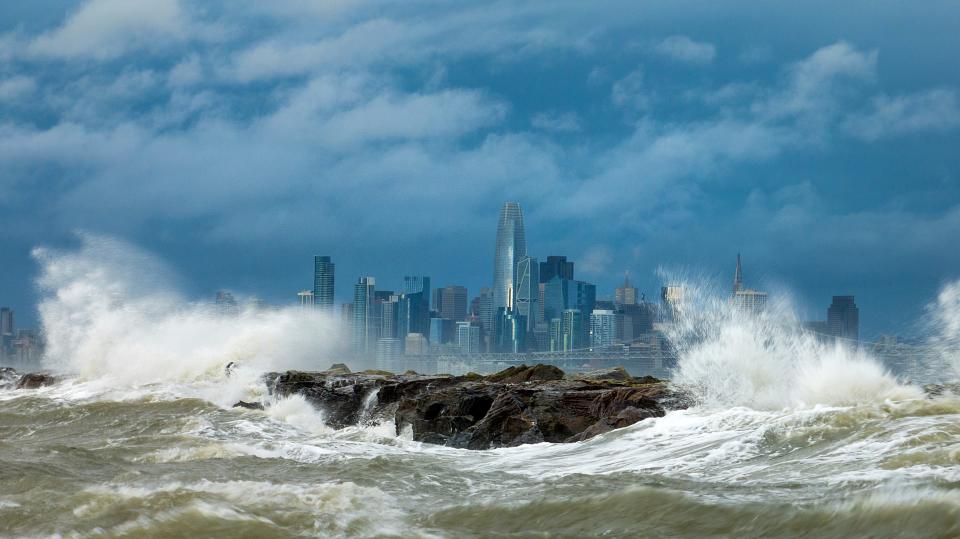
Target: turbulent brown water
81, 460
791, 437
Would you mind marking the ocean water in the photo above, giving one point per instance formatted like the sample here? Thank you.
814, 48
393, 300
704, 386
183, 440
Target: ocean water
790, 437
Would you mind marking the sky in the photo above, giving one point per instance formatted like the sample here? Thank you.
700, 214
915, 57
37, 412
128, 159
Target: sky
236, 139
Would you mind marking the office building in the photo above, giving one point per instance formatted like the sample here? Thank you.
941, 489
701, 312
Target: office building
468, 338
556, 266
414, 316
528, 291
843, 318
305, 299
363, 333
510, 333
671, 303
510, 248
415, 344
603, 328
572, 330
746, 300
389, 348
6, 321
442, 331
626, 294
451, 302
323, 284
555, 333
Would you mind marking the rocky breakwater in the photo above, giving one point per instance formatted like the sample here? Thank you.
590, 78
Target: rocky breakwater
516, 406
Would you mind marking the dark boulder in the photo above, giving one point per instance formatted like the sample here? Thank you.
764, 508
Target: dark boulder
515, 406
35, 380
249, 405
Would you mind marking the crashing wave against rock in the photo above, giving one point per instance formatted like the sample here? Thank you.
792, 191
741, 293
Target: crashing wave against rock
516, 406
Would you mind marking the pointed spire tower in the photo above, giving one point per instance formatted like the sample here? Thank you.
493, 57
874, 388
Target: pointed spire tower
738, 277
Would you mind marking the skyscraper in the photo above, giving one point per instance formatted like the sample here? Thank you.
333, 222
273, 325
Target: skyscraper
451, 302
626, 294
468, 338
556, 266
6, 321
305, 299
323, 270
363, 319
414, 314
511, 246
843, 318
528, 291
603, 328
744, 299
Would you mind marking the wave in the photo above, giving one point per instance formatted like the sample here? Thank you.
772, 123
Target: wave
111, 310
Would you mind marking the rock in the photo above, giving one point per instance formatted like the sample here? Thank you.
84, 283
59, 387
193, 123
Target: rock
35, 380
523, 373
515, 406
338, 368
616, 373
249, 405
232, 366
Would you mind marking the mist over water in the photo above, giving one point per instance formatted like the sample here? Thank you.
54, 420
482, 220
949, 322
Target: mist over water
790, 437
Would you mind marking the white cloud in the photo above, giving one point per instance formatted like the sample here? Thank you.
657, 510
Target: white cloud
105, 29
932, 110
684, 49
629, 92
565, 122
16, 87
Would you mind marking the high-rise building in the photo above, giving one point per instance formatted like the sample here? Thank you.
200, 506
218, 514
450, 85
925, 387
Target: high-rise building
451, 302
414, 314
485, 309
556, 266
468, 338
305, 299
556, 334
390, 317
528, 291
389, 348
626, 294
636, 320
571, 330
363, 334
6, 321
671, 303
510, 333
843, 318
415, 344
603, 328
323, 270
346, 319
744, 299
556, 297
511, 246
441, 331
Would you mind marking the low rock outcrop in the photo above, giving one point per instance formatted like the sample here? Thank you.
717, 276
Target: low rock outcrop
35, 380
515, 406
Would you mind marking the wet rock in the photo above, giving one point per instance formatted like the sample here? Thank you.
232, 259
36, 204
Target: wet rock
515, 406
523, 373
35, 380
249, 405
616, 373
338, 368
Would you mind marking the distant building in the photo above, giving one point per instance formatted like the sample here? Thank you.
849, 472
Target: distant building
364, 337
415, 344
603, 328
626, 294
746, 300
468, 338
323, 283
442, 331
305, 299
6, 321
572, 330
528, 291
510, 333
390, 316
451, 302
389, 348
511, 246
485, 312
556, 297
843, 318
671, 303
414, 316
556, 266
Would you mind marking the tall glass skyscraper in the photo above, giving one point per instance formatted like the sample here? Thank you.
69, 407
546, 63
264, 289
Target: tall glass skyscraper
323, 283
528, 291
511, 247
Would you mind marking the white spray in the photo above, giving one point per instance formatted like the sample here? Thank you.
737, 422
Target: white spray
111, 310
